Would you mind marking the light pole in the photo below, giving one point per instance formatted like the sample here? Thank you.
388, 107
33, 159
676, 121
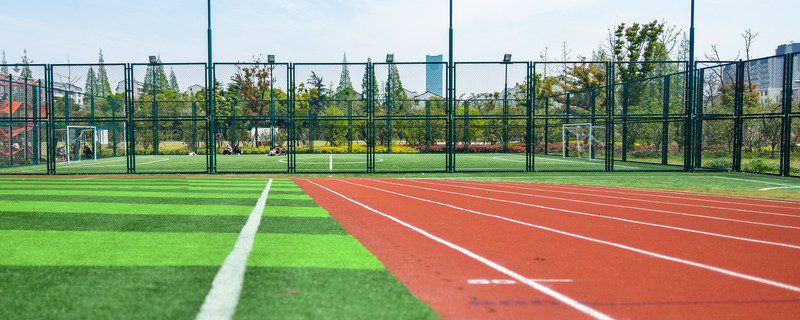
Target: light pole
450, 99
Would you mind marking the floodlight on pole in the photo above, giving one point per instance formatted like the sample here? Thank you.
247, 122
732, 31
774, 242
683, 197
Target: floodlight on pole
507, 57
271, 58
389, 57
16, 69
153, 60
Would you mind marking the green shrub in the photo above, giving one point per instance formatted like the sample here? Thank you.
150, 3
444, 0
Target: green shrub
719, 163
759, 165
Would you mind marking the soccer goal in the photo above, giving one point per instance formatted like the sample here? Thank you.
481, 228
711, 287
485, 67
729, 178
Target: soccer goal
583, 140
81, 143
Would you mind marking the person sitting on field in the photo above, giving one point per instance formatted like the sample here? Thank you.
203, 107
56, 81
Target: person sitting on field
236, 150
228, 150
61, 153
271, 152
87, 152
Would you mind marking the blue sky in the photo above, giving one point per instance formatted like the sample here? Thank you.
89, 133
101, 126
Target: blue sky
321, 31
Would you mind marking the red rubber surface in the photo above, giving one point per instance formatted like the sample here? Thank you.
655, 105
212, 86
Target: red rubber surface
722, 245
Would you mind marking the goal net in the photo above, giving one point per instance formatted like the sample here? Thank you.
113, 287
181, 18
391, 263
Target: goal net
81, 143
583, 140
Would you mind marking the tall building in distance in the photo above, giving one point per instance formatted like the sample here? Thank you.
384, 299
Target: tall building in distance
790, 47
433, 75
767, 74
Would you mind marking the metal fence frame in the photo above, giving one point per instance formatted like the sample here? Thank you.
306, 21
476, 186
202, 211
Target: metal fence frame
609, 106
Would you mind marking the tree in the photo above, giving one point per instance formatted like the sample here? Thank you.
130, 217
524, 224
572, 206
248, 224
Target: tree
251, 88
638, 44
160, 80
4, 69
317, 94
103, 88
365, 84
344, 79
394, 91
26, 69
91, 82
173, 81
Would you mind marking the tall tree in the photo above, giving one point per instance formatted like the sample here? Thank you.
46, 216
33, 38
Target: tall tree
102, 86
173, 81
394, 87
4, 69
155, 76
365, 82
317, 94
344, 79
26, 69
638, 43
91, 82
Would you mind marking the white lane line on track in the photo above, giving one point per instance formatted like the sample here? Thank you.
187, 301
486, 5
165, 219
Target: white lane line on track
597, 215
609, 243
612, 189
628, 207
684, 195
539, 287
221, 300
646, 200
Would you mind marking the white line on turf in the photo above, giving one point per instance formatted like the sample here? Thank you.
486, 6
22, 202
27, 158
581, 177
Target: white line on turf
750, 180
609, 243
539, 287
221, 300
775, 188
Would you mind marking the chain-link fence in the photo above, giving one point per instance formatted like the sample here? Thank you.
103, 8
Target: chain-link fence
401, 117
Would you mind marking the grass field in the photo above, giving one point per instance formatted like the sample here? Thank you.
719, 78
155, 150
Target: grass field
133, 248
384, 162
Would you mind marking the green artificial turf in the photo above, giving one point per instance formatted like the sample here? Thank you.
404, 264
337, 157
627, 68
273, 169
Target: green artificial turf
322, 293
120, 222
103, 292
93, 248
148, 247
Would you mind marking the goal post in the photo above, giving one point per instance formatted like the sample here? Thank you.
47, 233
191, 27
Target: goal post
81, 143
582, 140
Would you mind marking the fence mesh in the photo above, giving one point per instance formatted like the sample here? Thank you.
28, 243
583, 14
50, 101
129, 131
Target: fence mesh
396, 117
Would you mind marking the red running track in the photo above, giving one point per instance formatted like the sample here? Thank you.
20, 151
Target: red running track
497, 250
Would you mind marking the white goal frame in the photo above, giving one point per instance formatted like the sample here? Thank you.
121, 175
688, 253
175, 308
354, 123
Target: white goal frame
565, 142
69, 141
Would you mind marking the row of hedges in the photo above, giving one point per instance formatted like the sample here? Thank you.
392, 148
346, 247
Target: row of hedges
477, 148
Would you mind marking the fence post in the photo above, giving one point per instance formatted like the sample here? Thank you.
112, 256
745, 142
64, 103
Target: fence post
50, 106
292, 136
610, 91
737, 125
529, 125
130, 127
370, 117
450, 111
665, 124
697, 131
786, 120
625, 93
211, 145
